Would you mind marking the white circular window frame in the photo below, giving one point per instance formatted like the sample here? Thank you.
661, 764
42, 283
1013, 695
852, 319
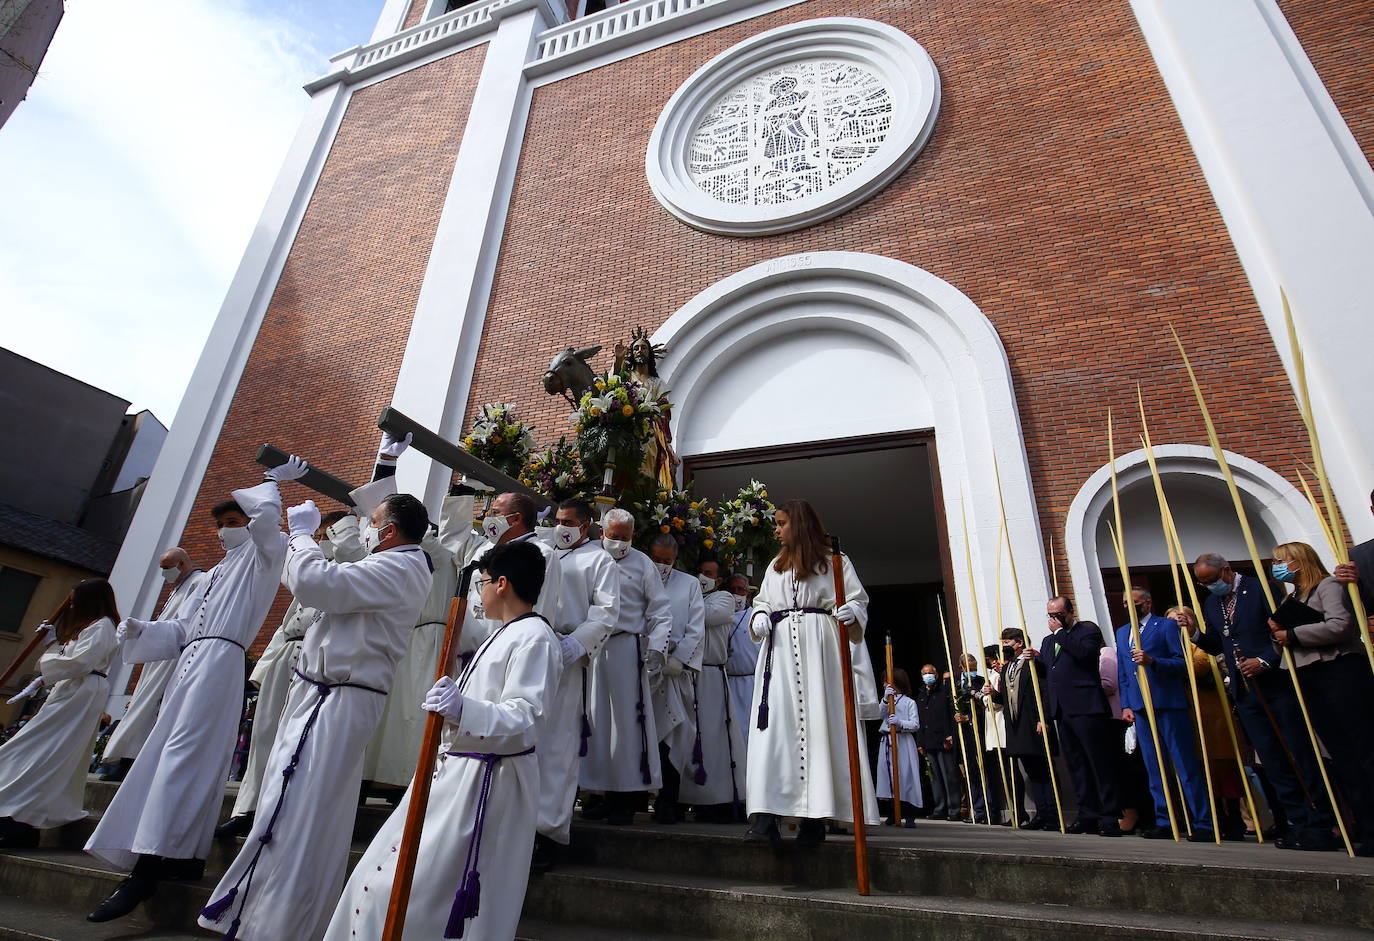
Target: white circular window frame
904, 67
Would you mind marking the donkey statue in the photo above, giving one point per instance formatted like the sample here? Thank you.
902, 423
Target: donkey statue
569, 373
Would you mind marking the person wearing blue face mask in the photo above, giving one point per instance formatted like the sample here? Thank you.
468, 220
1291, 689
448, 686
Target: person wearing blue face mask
1334, 676
1236, 614
935, 742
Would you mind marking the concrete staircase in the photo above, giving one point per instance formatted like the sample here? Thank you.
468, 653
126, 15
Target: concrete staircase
944, 880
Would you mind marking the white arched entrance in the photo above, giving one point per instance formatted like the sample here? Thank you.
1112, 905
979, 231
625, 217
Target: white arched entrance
840, 344
1201, 507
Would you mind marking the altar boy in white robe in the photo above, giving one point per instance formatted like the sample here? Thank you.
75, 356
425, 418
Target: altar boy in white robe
720, 797
622, 752
675, 680
587, 611
486, 782
162, 819
188, 582
287, 876
742, 656
798, 749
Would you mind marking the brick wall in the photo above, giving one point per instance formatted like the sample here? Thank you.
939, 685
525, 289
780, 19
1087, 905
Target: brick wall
326, 359
1336, 37
1058, 192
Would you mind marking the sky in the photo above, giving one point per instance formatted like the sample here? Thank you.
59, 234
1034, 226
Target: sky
134, 172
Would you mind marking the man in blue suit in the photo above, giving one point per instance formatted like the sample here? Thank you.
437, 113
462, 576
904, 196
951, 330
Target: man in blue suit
1237, 617
1161, 655
1086, 730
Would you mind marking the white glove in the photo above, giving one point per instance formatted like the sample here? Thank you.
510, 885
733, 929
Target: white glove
889, 693
293, 469
847, 613
674, 667
303, 519
129, 629
476, 484
47, 628
27, 691
392, 447
654, 662
572, 648
444, 698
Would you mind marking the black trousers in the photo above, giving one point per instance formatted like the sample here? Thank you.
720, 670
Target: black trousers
1276, 690
1090, 745
1339, 693
1038, 786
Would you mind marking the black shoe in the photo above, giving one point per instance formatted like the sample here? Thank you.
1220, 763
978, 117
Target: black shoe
1312, 842
665, 813
545, 855
909, 825
595, 807
763, 829
1109, 828
234, 827
18, 836
1202, 836
620, 818
810, 832
1034, 823
183, 870
1274, 832
1365, 849
955, 818
1233, 836
125, 898
117, 773
1079, 826
1157, 833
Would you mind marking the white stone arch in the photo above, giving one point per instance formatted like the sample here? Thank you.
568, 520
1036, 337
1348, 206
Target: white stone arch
1271, 503
954, 366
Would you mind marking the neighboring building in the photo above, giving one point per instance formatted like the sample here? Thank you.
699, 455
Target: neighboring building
76, 463
26, 29
867, 233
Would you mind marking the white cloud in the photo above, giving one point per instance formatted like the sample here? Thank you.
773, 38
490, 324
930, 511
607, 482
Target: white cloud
133, 177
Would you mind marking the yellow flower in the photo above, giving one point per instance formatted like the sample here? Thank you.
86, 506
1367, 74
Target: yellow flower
663, 529
627, 410
764, 494
535, 465
707, 543
600, 386
710, 531
495, 439
594, 411
729, 540
710, 512
695, 505
467, 442
578, 427
677, 523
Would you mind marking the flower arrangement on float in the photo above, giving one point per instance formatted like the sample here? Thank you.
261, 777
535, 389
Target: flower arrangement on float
747, 534
555, 471
499, 438
614, 422
681, 514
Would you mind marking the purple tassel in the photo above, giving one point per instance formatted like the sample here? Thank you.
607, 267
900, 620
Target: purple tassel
699, 775
465, 905
233, 931
586, 734
215, 910
763, 716
697, 758
644, 774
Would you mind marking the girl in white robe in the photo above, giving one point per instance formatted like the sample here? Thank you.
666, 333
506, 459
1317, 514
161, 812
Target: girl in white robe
798, 763
43, 767
907, 720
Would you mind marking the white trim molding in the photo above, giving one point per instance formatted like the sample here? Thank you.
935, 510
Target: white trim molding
1281, 508
900, 63
952, 351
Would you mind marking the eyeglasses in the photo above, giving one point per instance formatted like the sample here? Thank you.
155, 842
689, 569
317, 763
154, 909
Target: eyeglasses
483, 582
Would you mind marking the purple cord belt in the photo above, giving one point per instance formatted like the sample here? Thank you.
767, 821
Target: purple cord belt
215, 910
773, 618
469, 894
227, 640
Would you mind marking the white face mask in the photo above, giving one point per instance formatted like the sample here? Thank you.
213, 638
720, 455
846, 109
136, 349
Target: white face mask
664, 570
741, 602
171, 575
327, 548
231, 537
565, 537
708, 584
618, 548
495, 527
372, 537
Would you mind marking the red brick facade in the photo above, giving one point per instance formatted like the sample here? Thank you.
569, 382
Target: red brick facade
326, 359
1335, 37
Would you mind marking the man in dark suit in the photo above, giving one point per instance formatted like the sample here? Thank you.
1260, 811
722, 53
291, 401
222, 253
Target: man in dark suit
1076, 701
1362, 558
1168, 742
1026, 727
1236, 613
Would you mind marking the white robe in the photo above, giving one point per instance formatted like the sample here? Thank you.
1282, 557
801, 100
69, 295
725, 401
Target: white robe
908, 758
588, 608
43, 767
132, 730
620, 752
170, 800
273, 672
506, 688
674, 712
722, 741
369, 608
741, 659
477, 627
799, 765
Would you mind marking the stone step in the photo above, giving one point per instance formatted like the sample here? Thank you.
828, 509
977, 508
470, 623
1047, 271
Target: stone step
719, 908
73, 882
24, 920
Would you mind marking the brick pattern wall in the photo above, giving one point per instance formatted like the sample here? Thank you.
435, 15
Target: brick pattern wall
1336, 37
417, 11
326, 359
1058, 192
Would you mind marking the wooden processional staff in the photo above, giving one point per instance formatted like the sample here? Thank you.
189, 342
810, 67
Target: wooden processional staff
893, 758
851, 724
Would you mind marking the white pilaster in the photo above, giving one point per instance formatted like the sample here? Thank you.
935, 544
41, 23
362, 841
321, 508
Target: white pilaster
185, 454
436, 370
391, 19
1297, 196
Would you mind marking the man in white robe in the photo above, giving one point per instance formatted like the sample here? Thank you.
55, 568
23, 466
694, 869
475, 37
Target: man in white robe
288, 874
622, 759
188, 583
340, 541
720, 797
742, 656
510, 520
483, 799
162, 820
675, 682
587, 612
